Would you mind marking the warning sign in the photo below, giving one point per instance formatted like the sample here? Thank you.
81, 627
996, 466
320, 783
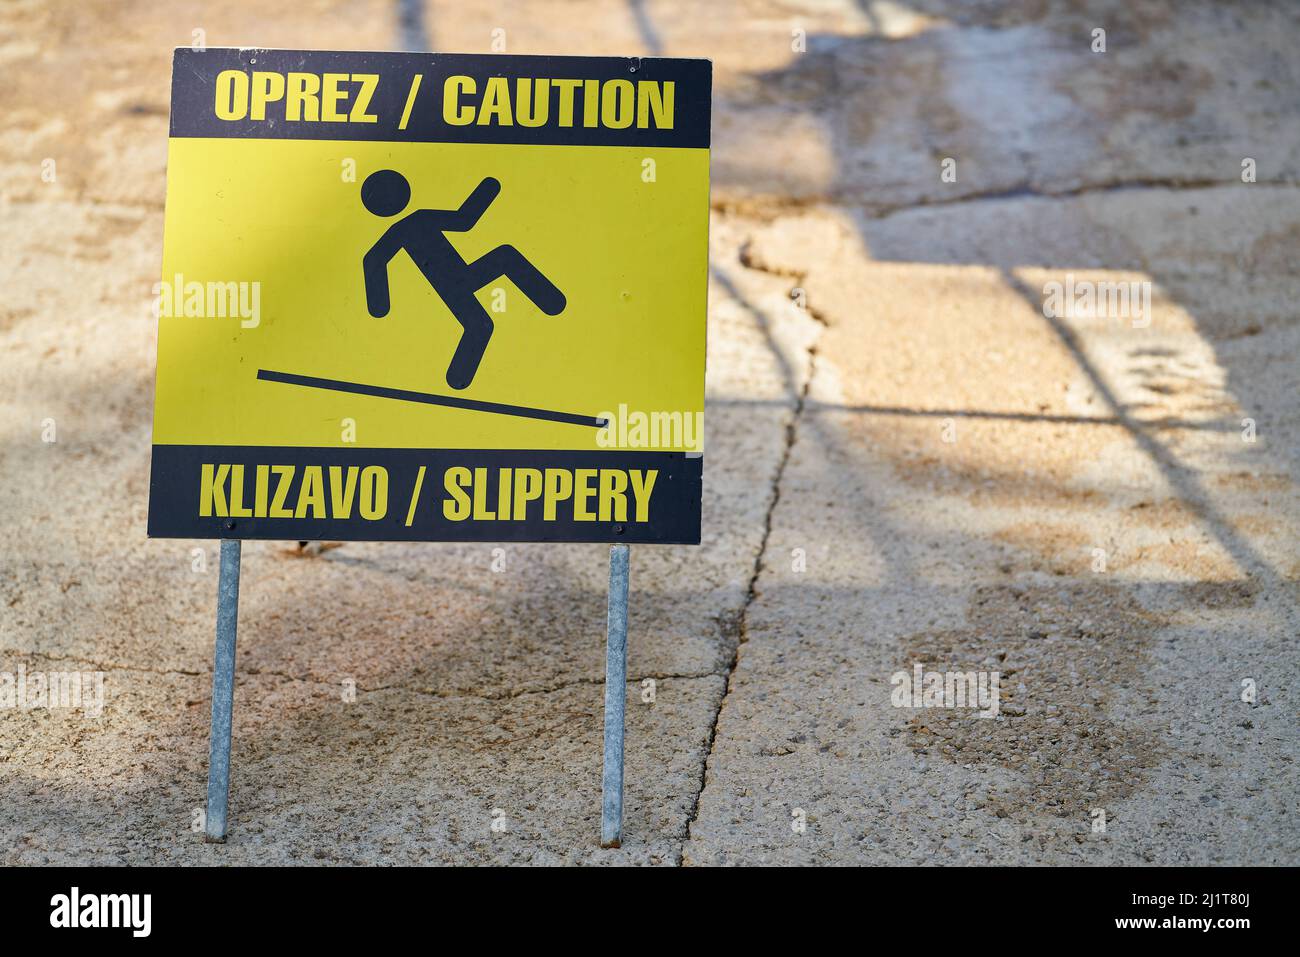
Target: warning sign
434, 298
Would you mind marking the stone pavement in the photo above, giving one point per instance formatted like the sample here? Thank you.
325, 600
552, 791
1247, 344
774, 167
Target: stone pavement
907, 462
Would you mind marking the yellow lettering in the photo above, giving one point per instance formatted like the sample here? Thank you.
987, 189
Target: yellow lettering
590, 101
342, 493
582, 479
566, 90
613, 495
311, 494
559, 486
301, 101
616, 104
212, 489
374, 492
503, 495
237, 507
285, 472
642, 485
456, 508
652, 98
368, 81
533, 109
232, 95
331, 96
259, 492
481, 513
496, 102
452, 112
267, 88
527, 488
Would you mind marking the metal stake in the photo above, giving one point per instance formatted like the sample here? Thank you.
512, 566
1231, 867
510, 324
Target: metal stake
223, 691
611, 810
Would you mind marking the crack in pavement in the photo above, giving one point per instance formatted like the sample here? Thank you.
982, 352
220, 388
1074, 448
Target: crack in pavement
546, 689
1028, 191
751, 593
103, 666
456, 694
770, 208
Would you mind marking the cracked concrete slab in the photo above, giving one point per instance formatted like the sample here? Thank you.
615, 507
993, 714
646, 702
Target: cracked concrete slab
945, 505
394, 777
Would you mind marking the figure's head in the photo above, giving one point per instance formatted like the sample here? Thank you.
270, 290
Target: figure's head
385, 192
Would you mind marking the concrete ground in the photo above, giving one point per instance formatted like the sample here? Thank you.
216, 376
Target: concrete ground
907, 462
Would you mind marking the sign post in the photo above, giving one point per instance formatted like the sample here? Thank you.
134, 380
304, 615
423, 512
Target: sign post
611, 807
223, 692
425, 297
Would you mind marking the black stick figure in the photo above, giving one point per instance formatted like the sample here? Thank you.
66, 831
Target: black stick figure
421, 234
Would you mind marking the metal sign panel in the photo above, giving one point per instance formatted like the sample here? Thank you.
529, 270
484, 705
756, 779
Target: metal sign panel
439, 298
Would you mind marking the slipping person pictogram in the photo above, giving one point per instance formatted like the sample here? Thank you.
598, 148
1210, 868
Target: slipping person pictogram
421, 234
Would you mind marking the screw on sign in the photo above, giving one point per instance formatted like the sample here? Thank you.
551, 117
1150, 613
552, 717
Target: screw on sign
477, 429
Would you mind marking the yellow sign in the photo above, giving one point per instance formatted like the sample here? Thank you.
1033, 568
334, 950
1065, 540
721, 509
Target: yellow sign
424, 297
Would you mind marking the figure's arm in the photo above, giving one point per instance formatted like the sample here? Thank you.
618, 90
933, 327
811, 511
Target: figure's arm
374, 265
474, 207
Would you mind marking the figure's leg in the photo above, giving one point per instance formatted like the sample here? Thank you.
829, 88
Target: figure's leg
509, 262
473, 341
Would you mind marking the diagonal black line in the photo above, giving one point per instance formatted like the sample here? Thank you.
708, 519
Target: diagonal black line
474, 405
